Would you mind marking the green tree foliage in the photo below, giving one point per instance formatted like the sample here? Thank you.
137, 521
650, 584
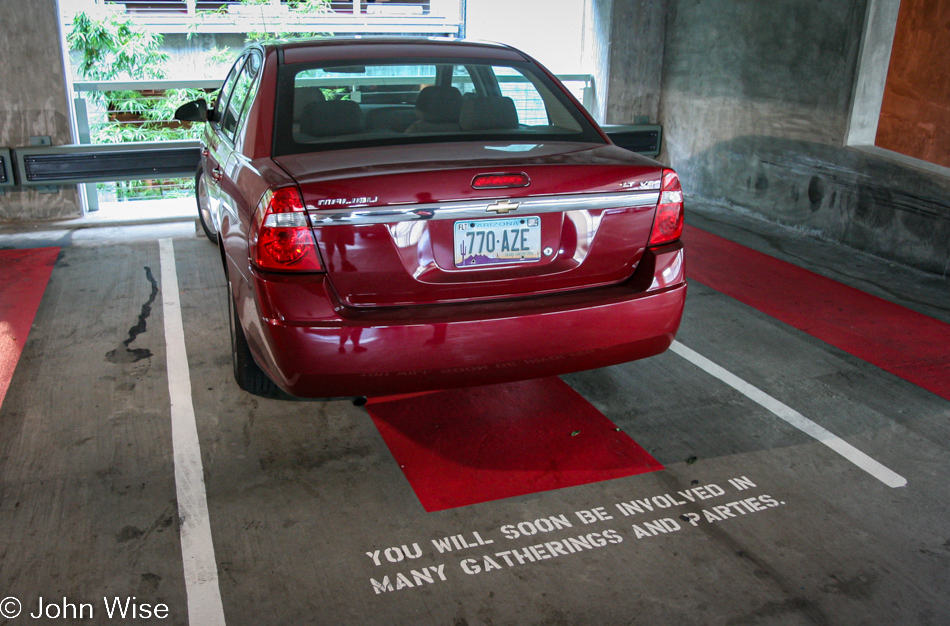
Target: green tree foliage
113, 47
262, 30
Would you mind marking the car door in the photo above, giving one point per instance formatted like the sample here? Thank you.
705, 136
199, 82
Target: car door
217, 146
233, 122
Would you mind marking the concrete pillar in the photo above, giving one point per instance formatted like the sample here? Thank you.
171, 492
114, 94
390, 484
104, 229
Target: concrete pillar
596, 52
623, 46
34, 100
638, 33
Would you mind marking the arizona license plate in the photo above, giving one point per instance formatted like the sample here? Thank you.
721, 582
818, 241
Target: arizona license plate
492, 242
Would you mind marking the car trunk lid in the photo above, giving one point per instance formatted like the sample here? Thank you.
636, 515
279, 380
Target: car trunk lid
405, 226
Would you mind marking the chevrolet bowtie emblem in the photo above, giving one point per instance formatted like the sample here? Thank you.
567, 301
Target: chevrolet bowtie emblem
503, 206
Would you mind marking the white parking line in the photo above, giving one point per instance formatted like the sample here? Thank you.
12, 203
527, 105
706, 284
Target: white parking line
793, 417
197, 550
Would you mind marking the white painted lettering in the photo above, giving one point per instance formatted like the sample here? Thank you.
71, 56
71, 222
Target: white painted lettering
639, 532
490, 564
742, 483
629, 508
393, 555
686, 494
509, 532
579, 543
381, 587
402, 581
420, 577
482, 542
521, 556
540, 552
754, 504
692, 518
723, 510
442, 545
768, 501
662, 502
470, 566
374, 556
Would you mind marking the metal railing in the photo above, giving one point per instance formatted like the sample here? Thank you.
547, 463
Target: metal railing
433, 17
173, 162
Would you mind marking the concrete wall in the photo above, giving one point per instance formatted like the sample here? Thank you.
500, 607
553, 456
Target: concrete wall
638, 35
755, 106
33, 100
623, 49
596, 52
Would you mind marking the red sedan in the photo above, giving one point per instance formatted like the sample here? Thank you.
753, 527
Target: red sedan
398, 215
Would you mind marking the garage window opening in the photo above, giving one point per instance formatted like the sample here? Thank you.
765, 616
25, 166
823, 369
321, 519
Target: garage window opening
364, 104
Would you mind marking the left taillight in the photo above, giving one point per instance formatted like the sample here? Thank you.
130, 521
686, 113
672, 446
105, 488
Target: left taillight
280, 238
668, 223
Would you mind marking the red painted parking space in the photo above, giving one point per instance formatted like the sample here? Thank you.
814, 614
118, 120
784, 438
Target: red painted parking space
462, 447
23, 278
891, 337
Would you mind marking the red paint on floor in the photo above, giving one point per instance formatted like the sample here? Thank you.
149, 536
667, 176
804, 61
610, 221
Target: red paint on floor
466, 446
911, 345
23, 278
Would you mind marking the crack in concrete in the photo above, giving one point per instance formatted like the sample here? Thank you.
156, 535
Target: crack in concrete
125, 354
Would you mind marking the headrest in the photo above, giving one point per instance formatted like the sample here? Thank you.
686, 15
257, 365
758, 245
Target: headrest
439, 104
333, 117
304, 96
488, 113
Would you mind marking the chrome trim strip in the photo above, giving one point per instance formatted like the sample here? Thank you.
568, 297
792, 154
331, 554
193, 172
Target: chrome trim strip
471, 209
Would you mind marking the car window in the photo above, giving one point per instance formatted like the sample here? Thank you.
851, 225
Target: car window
242, 88
462, 79
526, 97
246, 90
225, 91
385, 102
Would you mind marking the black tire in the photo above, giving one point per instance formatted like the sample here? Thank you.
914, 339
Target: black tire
248, 375
204, 207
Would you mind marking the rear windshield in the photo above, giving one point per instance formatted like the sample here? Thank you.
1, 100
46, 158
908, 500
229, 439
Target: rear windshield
384, 102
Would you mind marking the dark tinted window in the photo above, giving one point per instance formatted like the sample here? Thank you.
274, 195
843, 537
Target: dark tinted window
421, 101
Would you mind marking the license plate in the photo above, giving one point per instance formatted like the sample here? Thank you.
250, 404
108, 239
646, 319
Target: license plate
493, 242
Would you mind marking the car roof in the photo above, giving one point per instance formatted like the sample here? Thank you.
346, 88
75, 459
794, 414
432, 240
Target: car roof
356, 47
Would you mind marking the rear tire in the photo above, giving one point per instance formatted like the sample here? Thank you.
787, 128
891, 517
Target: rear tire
248, 375
204, 207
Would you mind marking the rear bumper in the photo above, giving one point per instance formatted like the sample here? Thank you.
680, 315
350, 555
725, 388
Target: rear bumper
310, 346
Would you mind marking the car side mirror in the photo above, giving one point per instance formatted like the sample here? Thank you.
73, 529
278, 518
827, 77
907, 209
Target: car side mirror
195, 111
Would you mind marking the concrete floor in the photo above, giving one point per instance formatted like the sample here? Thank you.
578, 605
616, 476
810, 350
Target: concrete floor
301, 494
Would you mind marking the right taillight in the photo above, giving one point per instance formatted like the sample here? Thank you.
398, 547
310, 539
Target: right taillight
668, 223
281, 239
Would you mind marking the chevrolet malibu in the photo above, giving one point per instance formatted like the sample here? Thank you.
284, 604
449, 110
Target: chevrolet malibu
399, 215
